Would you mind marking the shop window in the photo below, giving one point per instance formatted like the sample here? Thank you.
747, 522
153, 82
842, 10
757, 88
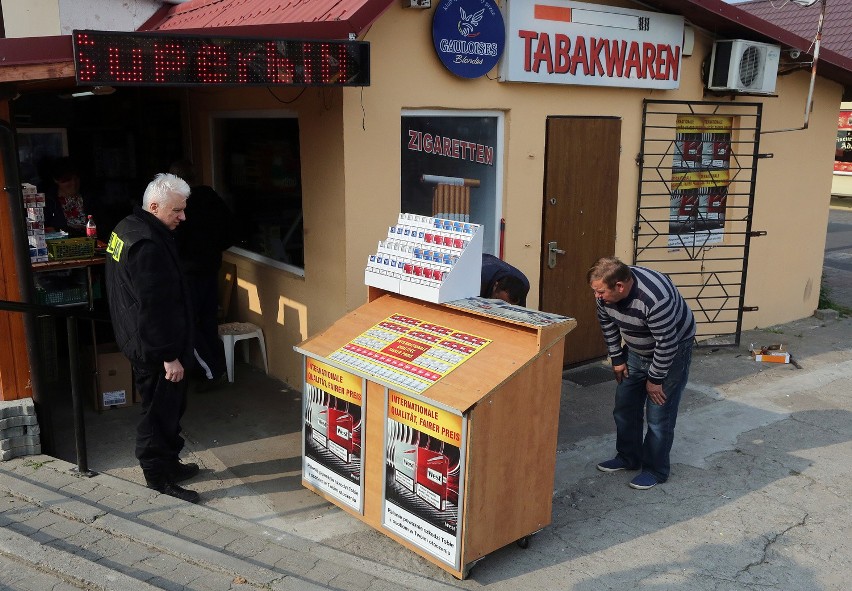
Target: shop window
259, 175
451, 166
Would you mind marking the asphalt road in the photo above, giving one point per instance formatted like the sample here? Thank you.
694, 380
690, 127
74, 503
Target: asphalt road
837, 264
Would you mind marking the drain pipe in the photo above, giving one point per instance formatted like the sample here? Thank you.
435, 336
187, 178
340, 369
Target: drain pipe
12, 188
810, 100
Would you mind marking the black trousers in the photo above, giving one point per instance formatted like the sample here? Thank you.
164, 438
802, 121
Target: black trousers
209, 353
158, 440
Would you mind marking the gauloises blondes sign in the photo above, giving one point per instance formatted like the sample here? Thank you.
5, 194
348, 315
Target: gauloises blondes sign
149, 59
559, 42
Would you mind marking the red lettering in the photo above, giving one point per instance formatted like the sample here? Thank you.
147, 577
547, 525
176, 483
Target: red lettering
489, 155
595, 64
448, 147
413, 137
528, 37
427, 143
562, 59
614, 56
543, 54
674, 63
168, 57
634, 61
87, 69
118, 73
580, 56
650, 54
243, 61
455, 148
279, 69
212, 64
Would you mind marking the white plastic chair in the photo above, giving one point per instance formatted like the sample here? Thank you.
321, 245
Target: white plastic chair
230, 333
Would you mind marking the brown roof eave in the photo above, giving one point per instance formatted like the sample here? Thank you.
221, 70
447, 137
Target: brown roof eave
36, 50
726, 21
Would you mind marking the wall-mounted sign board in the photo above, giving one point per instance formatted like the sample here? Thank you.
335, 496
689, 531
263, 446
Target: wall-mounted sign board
150, 59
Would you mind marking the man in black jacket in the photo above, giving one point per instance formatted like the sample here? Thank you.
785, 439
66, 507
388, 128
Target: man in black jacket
152, 319
207, 231
502, 281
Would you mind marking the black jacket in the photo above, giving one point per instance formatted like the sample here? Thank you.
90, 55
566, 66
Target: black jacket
206, 232
148, 297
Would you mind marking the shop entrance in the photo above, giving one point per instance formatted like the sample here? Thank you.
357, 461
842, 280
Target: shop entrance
580, 201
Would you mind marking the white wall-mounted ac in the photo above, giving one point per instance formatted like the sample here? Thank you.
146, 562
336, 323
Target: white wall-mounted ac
743, 66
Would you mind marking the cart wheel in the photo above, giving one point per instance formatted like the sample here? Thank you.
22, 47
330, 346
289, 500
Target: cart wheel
524, 542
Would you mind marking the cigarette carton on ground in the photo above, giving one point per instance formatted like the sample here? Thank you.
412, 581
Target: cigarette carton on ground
771, 354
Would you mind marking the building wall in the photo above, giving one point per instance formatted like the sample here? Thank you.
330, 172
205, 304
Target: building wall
38, 18
287, 306
792, 190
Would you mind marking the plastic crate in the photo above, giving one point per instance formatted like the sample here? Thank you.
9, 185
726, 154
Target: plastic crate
70, 248
62, 297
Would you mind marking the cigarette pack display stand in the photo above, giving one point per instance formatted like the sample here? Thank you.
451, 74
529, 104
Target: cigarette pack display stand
436, 424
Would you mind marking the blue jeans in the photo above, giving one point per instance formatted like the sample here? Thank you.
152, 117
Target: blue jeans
631, 402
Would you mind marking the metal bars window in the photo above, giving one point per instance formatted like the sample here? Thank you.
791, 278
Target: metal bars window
698, 164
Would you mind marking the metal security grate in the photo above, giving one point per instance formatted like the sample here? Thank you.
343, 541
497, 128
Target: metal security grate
698, 166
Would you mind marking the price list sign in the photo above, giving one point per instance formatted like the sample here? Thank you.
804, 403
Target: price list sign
408, 353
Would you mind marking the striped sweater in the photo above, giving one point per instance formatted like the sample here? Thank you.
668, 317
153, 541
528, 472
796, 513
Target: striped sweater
653, 319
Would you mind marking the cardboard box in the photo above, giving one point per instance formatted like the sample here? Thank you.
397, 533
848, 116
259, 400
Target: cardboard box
114, 379
771, 354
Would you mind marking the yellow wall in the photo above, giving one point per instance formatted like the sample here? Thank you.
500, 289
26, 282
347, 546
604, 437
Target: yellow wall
30, 18
350, 153
287, 306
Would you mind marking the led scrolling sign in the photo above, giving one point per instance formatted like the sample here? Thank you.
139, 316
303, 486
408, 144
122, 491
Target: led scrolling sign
145, 59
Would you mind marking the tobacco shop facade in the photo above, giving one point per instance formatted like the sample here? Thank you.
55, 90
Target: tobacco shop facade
577, 130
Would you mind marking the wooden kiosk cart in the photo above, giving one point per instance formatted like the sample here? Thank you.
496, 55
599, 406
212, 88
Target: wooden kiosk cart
436, 424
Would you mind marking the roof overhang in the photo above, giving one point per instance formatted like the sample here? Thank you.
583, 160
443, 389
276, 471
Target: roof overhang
726, 21
48, 57
303, 20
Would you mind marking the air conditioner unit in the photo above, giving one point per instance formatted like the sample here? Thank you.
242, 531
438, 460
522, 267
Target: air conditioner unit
743, 66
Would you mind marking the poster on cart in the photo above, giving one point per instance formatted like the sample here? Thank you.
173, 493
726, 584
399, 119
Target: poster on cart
332, 432
424, 472
408, 353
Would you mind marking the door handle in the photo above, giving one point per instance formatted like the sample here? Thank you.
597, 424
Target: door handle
552, 251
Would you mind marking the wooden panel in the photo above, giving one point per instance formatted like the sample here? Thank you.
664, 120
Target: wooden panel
37, 72
14, 362
580, 203
511, 458
510, 350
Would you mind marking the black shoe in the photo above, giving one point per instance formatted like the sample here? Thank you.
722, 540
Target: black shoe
178, 492
180, 472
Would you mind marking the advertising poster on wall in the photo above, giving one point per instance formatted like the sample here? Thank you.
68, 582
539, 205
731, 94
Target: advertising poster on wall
333, 432
843, 148
423, 475
700, 178
450, 168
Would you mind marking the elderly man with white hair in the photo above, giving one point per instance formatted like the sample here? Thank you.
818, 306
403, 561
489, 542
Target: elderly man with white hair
152, 318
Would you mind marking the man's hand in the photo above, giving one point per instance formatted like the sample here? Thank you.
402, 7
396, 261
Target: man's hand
620, 372
655, 393
174, 370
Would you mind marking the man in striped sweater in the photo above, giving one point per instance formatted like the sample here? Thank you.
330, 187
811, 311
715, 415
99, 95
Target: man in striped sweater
643, 310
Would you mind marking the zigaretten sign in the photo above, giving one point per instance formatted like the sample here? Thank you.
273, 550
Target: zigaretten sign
560, 42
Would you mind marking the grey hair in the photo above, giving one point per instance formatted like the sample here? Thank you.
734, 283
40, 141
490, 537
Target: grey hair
160, 189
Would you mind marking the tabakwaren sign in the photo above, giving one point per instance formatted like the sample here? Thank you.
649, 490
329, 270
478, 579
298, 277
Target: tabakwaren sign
151, 59
469, 36
562, 42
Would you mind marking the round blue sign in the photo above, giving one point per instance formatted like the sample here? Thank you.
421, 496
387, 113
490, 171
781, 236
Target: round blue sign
469, 36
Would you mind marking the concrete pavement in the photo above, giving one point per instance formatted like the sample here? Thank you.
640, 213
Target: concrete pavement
758, 498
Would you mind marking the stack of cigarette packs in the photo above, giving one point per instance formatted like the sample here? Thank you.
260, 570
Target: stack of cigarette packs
427, 258
34, 207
